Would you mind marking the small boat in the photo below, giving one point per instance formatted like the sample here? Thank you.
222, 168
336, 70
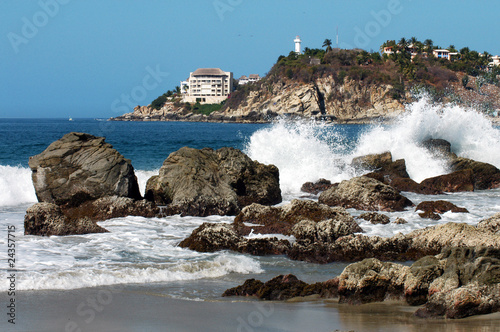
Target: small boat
70, 119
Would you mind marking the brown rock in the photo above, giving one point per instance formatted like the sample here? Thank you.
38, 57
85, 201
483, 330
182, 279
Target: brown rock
382, 164
485, 176
47, 219
454, 182
364, 193
316, 187
375, 218
439, 207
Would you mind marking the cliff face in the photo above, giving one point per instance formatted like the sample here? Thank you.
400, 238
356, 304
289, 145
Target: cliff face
322, 99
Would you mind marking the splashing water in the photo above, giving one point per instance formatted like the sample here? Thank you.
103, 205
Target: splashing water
307, 151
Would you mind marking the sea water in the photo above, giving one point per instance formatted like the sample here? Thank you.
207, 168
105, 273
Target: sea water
141, 250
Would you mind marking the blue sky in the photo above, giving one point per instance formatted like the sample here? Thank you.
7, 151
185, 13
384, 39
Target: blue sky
96, 58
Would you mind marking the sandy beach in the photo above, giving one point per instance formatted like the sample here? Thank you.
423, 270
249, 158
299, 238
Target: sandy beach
147, 308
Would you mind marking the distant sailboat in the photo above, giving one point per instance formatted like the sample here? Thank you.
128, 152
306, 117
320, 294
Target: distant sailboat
70, 119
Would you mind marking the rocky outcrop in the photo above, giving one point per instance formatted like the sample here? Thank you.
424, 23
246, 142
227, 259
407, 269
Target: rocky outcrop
281, 219
382, 165
364, 193
80, 167
207, 182
47, 219
325, 99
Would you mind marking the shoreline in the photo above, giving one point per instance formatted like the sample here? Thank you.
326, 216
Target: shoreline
147, 308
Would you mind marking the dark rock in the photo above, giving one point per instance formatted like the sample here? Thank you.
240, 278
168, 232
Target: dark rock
364, 193
439, 207
485, 176
249, 288
382, 164
47, 219
454, 182
80, 167
405, 184
316, 187
430, 215
112, 207
439, 147
375, 218
263, 246
282, 287
207, 182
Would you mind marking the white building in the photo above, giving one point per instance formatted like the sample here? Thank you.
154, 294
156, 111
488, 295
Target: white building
207, 86
250, 79
495, 61
443, 54
297, 42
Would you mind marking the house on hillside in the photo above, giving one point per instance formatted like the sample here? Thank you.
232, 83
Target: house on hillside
250, 79
495, 61
444, 54
207, 86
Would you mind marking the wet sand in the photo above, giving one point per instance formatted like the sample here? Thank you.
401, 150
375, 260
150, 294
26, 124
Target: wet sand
146, 308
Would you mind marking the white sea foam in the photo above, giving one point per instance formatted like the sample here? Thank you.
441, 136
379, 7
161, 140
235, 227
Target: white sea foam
143, 177
16, 187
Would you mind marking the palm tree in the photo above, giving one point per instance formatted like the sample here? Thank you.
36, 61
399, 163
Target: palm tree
328, 44
413, 41
428, 45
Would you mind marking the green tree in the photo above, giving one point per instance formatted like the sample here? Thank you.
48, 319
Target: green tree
429, 44
328, 44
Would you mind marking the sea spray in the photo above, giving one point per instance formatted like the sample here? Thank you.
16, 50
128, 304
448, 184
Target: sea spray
302, 150
16, 187
470, 133
143, 177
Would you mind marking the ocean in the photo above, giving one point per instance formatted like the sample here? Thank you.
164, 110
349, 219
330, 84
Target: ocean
142, 251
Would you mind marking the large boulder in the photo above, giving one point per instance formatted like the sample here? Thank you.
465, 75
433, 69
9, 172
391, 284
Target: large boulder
207, 182
461, 180
364, 193
80, 167
47, 219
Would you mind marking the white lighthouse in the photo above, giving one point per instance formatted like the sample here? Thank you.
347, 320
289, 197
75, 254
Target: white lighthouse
297, 42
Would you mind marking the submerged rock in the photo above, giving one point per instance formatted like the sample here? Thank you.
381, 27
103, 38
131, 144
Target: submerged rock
432, 208
316, 187
80, 167
364, 193
207, 182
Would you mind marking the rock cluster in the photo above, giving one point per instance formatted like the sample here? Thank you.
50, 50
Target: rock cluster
457, 283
